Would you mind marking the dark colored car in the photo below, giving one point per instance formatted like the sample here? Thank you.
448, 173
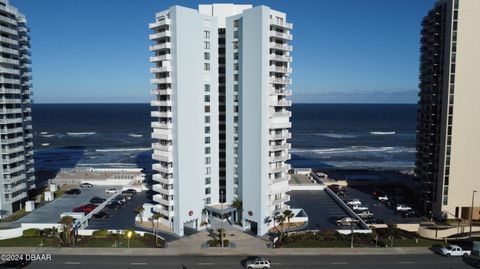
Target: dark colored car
86, 185
410, 214
373, 221
73, 191
120, 199
342, 193
132, 191
113, 206
97, 200
100, 215
15, 264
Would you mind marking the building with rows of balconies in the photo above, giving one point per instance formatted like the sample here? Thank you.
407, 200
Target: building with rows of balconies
15, 119
221, 118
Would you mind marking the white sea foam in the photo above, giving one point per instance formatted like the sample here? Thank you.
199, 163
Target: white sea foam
48, 135
382, 133
44, 133
135, 135
335, 135
122, 149
107, 164
354, 149
80, 133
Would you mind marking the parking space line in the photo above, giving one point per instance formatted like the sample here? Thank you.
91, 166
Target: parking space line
71, 263
339, 263
138, 263
205, 263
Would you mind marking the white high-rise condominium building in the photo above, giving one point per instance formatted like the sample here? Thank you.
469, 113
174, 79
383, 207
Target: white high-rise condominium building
448, 131
15, 122
221, 117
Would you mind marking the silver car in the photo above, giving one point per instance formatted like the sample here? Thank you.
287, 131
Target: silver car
258, 263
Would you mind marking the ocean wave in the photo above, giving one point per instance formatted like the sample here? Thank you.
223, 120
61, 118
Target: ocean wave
383, 133
80, 133
43, 133
335, 135
122, 149
47, 135
107, 164
135, 135
355, 149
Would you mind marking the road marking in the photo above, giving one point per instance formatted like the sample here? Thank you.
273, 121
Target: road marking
138, 263
205, 263
276, 263
405, 262
339, 263
73, 263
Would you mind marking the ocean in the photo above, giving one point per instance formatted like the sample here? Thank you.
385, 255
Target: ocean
323, 135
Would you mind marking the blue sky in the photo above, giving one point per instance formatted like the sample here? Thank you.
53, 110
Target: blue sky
345, 51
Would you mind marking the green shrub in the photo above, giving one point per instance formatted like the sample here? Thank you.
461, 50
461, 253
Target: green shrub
31, 232
151, 238
102, 233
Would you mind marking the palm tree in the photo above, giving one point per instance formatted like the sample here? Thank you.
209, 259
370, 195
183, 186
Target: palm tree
156, 217
139, 210
237, 203
281, 221
67, 223
288, 215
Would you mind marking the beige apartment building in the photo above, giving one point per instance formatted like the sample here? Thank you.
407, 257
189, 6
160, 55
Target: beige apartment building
448, 129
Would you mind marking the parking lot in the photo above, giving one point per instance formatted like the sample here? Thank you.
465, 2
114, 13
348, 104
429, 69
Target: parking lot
321, 209
379, 209
51, 211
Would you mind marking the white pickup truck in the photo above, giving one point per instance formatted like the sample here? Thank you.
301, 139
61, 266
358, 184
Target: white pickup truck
453, 250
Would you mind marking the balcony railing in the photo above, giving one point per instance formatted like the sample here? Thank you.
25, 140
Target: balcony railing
280, 58
165, 179
285, 135
162, 114
165, 57
163, 169
166, 45
281, 103
161, 103
281, 81
161, 34
161, 91
162, 125
160, 69
279, 158
281, 23
286, 36
159, 23
278, 46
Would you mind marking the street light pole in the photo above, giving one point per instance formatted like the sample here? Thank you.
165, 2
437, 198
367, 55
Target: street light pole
471, 214
221, 222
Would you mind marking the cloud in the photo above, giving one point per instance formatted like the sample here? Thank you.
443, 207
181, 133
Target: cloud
386, 96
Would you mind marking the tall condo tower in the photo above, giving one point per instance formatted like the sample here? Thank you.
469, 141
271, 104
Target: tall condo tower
221, 118
447, 129
15, 122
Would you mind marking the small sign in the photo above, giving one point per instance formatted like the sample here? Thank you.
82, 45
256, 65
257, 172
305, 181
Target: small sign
190, 213
250, 213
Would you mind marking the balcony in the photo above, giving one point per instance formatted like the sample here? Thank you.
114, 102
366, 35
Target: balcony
14, 169
161, 34
18, 187
164, 212
282, 114
8, 20
158, 188
161, 92
11, 111
164, 156
280, 147
285, 36
162, 125
16, 198
279, 158
159, 23
164, 57
162, 46
8, 160
163, 169
159, 199
162, 134
13, 179
284, 135
281, 92
10, 120
9, 61
280, 69
158, 146
9, 80
162, 114
8, 41
279, 169
284, 47
160, 69
280, 103
280, 58
281, 23
12, 140
284, 199
7, 50
165, 179
11, 130
282, 81
161, 103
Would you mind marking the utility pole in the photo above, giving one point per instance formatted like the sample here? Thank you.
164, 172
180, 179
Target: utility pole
221, 222
471, 214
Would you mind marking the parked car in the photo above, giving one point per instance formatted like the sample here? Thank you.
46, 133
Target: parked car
354, 202
403, 208
113, 206
127, 196
342, 193
372, 220
345, 221
376, 194
111, 190
85, 208
20, 263
100, 215
453, 250
73, 192
257, 263
365, 214
359, 208
334, 187
410, 214
97, 200
383, 198
86, 185
121, 199
132, 191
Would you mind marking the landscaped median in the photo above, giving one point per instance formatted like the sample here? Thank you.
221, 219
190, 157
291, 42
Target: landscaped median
100, 238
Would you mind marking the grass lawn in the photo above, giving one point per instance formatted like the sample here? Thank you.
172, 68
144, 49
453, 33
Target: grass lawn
412, 243
294, 178
15, 216
108, 243
317, 244
28, 242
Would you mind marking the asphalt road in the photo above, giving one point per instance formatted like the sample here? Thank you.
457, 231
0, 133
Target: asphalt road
318, 261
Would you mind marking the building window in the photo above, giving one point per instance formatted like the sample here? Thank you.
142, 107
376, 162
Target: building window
235, 56
208, 200
206, 87
207, 129
207, 98
235, 45
207, 190
208, 180
207, 109
235, 34
207, 160
206, 34
235, 66
207, 119
235, 77
236, 23
208, 170
207, 140
235, 88
235, 98
206, 66
207, 150
207, 45
206, 55
235, 190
